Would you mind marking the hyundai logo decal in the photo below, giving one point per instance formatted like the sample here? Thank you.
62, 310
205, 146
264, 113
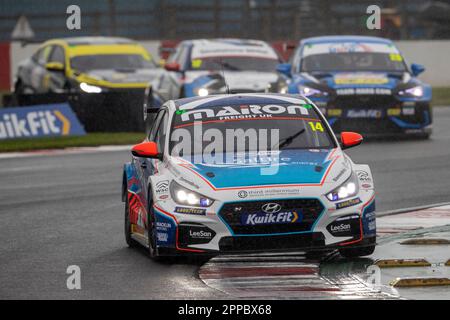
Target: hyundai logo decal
271, 207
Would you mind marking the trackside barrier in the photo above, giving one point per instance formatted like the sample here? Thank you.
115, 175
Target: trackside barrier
98, 112
39, 121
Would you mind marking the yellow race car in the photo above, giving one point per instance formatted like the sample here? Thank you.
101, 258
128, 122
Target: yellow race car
102, 78
86, 64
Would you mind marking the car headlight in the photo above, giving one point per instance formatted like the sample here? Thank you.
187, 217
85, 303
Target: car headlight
283, 89
90, 88
308, 91
182, 195
415, 91
346, 190
202, 92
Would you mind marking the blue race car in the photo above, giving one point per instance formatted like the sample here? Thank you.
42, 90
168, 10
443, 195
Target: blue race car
361, 84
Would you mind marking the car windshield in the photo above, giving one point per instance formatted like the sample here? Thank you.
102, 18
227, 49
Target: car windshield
234, 64
353, 61
247, 128
85, 63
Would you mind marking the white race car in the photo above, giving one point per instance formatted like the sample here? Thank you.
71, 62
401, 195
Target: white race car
199, 68
247, 172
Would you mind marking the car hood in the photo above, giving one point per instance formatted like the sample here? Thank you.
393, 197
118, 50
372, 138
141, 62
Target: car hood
293, 167
125, 76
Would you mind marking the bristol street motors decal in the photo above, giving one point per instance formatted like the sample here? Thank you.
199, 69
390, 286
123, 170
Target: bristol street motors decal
272, 213
39, 121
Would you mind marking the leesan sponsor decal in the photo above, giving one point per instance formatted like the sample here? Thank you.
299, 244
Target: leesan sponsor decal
348, 203
344, 226
270, 218
201, 234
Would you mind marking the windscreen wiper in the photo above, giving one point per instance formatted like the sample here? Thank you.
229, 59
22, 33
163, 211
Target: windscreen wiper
226, 65
287, 141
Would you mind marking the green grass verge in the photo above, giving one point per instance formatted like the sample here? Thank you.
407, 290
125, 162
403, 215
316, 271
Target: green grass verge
89, 140
441, 96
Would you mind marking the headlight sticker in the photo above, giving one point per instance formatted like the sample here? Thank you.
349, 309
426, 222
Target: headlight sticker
395, 57
196, 63
348, 203
187, 210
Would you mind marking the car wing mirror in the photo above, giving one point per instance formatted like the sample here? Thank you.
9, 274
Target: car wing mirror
417, 69
147, 149
350, 139
54, 66
284, 68
172, 66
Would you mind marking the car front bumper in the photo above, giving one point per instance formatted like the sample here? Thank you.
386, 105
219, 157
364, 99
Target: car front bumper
212, 233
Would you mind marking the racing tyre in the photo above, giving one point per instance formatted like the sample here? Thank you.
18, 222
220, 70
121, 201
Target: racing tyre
130, 241
357, 251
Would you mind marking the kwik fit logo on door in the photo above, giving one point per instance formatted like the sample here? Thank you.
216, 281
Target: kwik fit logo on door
39, 121
272, 213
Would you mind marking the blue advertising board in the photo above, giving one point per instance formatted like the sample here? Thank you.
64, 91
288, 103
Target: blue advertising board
39, 121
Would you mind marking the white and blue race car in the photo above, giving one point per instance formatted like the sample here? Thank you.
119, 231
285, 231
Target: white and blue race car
360, 83
248, 172
205, 67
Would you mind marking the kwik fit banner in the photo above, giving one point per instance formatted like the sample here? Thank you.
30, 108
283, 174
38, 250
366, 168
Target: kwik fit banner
39, 121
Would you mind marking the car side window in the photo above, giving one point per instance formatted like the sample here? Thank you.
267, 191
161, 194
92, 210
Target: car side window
57, 55
174, 56
160, 137
151, 136
183, 57
44, 55
35, 56
296, 60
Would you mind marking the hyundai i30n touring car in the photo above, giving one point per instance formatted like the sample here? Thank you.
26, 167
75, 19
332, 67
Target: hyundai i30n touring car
103, 78
361, 83
205, 67
87, 65
232, 173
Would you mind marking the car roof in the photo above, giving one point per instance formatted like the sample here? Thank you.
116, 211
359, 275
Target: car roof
327, 39
231, 41
204, 48
93, 40
235, 99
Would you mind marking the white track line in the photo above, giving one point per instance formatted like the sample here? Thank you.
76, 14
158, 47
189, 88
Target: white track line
66, 151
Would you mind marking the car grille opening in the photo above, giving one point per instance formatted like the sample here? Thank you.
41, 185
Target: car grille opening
281, 242
308, 211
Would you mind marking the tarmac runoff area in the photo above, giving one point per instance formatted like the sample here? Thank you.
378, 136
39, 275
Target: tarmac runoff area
411, 261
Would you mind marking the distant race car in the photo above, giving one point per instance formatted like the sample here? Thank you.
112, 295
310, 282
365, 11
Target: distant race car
86, 65
361, 83
203, 182
204, 67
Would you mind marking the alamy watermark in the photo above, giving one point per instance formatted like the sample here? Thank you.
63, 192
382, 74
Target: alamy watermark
374, 20
73, 281
73, 21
